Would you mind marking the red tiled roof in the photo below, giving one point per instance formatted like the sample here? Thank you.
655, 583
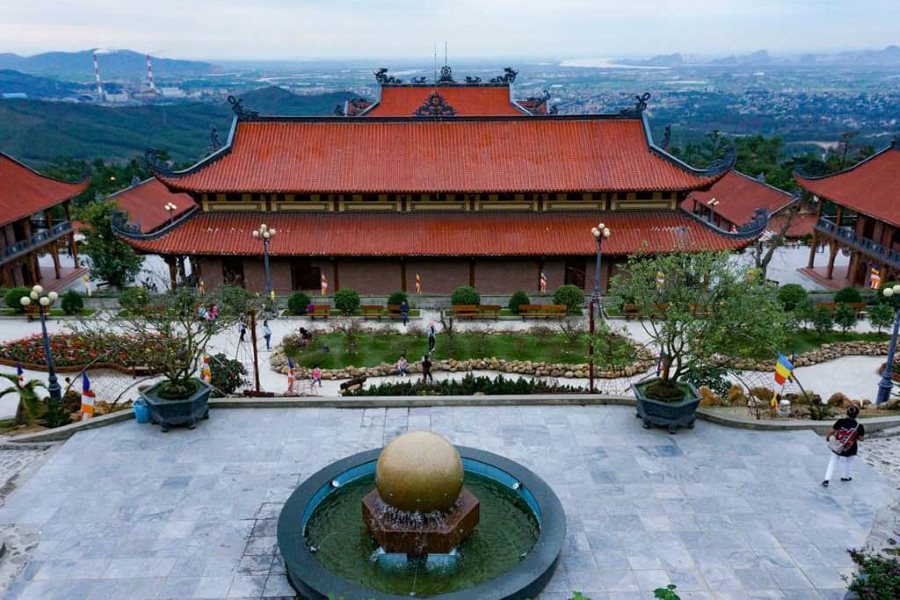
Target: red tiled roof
443, 234
872, 187
145, 204
24, 191
802, 224
526, 154
468, 100
736, 196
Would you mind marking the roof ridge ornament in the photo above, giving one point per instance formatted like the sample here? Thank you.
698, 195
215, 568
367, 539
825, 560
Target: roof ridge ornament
471, 79
639, 107
509, 76
446, 75
382, 77
237, 107
418, 80
435, 106
214, 143
724, 163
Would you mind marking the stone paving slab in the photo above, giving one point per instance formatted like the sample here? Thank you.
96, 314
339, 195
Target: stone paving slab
127, 511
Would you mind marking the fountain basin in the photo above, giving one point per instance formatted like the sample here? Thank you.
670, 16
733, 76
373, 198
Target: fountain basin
496, 481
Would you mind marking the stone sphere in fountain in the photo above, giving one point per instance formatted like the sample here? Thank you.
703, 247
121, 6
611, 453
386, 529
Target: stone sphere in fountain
419, 471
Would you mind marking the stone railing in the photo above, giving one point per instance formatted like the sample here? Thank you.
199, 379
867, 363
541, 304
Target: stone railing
37, 239
864, 244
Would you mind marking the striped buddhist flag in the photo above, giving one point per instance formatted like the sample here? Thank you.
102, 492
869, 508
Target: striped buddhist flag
660, 281
87, 398
543, 283
290, 375
20, 374
87, 284
874, 278
202, 287
272, 296
205, 371
323, 283
783, 369
418, 284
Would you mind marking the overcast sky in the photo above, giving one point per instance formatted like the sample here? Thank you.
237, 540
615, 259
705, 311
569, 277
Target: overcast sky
292, 29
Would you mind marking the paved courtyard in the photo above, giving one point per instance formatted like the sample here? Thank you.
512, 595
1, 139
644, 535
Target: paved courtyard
126, 511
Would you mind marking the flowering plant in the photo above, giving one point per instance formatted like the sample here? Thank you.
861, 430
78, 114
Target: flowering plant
80, 349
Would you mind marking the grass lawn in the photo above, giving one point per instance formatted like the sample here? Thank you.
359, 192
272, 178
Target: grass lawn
54, 312
384, 347
804, 340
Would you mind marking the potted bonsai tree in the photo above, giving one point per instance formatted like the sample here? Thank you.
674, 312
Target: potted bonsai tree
177, 327
697, 308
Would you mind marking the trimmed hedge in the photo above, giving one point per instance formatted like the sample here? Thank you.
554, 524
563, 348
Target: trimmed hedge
13, 298
571, 296
792, 295
346, 300
72, 303
848, 295
398, 298
298, 303
465, 295
518, 299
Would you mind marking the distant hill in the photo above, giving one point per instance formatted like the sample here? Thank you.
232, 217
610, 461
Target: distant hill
37, 131
760, 57
16, 82
115, 64
661, 60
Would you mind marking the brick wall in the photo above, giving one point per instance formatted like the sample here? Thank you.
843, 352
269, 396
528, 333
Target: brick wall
439, 276
371, 276
210, 270
502, 276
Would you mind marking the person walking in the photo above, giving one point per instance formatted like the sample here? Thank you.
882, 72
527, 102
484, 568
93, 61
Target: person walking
404, 312
242, 327
843, 441
316, 375
426, 370
432, 338
402, 366
267, 333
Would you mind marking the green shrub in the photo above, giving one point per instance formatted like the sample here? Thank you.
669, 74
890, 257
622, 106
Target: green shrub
819, 411
72, 303
134, 299
877, 575
666, 593
228, 375
518, 299
881, 316
13, 298
791, 296
297, 303
346, 300
465, 295
715, 378
822, 319
571, 296
397, 298
848, 295
468, 385
845, 317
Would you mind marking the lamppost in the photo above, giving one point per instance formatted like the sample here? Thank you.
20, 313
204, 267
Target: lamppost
171, 208
265, 234
886, 383
600, 233
44, 303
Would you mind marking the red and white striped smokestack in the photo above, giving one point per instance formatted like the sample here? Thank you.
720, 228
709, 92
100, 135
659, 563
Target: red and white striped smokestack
100, 92
150, 80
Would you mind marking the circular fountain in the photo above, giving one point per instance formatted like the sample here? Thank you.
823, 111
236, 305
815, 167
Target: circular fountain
422, 518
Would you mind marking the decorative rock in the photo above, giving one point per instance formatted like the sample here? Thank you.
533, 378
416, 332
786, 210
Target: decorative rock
838, 400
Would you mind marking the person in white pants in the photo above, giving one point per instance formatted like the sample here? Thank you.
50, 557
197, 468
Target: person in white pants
847, 433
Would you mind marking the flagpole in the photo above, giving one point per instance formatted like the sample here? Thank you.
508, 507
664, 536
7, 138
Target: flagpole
255, 351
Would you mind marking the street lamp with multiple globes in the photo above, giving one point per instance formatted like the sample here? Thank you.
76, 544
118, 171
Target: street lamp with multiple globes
265, 234
44, 303
600, 232
886, 383
171, 208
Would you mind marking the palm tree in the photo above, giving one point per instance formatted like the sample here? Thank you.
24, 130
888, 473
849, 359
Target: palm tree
29, 401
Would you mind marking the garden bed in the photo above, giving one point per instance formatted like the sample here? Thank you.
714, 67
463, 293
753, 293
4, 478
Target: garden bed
54, 312
73, 352
468, 385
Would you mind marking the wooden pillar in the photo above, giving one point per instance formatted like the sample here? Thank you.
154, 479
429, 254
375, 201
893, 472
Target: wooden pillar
472, 272
173, 271
32, 271
54, 254
815, 239
182, 268
402, 274
73, 248
834, 250
337, 280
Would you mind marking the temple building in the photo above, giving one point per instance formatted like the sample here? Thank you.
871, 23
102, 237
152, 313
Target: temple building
453, 183
35, 219
859, 214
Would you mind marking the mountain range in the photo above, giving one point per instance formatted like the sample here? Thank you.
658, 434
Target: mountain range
889, 57
114, 64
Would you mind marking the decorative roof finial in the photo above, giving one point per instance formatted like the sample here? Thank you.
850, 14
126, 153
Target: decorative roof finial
667, 137
435, 106
639, 107
214, 142
509, 76
382, 77
446, 75
239, 110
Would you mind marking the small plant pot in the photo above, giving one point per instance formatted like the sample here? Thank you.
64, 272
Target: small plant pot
670, 414
182, 411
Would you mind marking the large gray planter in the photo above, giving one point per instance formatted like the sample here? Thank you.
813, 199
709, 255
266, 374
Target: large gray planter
667, 414
186, 411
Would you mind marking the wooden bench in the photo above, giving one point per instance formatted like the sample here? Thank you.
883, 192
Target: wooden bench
393, 311
489, 310
370, 311
465, 311
32, 311
319, 310
542, 311
859, 307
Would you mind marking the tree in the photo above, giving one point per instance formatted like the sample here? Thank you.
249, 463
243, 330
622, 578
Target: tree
699, 307
571, 296
845, 317
29, 403
175, 336
881, 316
346, 300
762, 252
112, 260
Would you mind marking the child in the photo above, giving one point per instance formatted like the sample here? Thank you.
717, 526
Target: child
426, 370
267, 333
316, 375
846, 432
403, 366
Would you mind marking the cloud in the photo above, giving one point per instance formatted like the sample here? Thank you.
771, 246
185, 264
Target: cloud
286, 29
